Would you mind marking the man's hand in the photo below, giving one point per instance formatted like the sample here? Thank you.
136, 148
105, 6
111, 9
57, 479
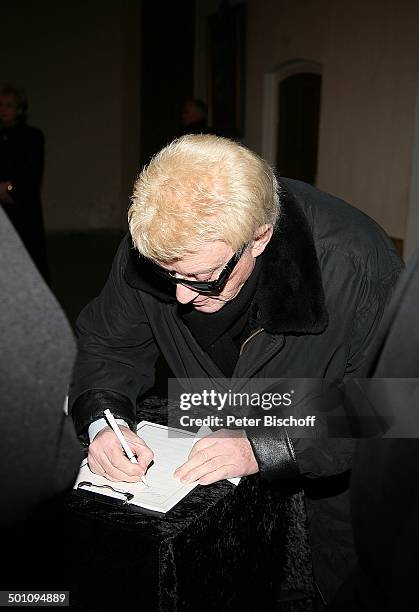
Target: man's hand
221, 454
107, 458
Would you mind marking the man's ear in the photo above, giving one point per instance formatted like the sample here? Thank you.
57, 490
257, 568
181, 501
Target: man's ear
263, 236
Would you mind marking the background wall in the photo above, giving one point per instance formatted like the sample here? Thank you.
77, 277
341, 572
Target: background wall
79, 64
412, 237
369, 51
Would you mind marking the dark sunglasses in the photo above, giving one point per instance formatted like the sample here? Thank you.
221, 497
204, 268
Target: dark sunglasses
208, 287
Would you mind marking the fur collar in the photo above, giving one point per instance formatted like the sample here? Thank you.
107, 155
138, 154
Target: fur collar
289, 297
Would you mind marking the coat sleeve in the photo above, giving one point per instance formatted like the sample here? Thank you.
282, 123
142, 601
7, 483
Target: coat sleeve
331, 456
278, 455
117, 351
281, 455
373, 297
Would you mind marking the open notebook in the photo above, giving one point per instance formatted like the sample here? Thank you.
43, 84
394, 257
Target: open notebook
163, 491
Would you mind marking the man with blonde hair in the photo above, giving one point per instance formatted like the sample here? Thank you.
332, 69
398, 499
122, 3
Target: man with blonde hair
233, 275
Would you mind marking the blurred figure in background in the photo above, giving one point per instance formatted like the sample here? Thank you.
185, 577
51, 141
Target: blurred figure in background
194, 118
21, 171
385, 475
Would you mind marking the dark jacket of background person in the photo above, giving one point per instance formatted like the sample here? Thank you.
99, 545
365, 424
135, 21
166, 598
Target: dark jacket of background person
324, 282
385, 478
39, 451
22, 163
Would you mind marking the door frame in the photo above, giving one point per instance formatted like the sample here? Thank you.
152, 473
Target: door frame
270, 101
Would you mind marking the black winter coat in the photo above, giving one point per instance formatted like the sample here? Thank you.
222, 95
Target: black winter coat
326, 277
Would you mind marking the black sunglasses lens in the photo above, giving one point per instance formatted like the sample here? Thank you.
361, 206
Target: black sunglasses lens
212, 287
204, 287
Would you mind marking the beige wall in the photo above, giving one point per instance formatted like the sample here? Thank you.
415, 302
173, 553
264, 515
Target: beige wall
412, 234
370, 56
79, 63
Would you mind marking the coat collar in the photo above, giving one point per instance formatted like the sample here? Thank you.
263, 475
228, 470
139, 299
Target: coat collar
290, 296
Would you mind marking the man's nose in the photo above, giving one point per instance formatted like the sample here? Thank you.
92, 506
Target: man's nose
184, 295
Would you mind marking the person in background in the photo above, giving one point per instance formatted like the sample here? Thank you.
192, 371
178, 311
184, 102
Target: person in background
21, 171
194, 118
385, 475
39, 451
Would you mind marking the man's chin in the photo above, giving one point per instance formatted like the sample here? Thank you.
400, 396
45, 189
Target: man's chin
208, 307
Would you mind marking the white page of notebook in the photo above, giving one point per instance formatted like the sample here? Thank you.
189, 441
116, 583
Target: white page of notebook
164, 491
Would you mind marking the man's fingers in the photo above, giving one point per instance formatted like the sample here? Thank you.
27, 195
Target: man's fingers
118, 460
116, 465
109, 456
140, 449
104, 467
220, 474
203, 462
196, 473
201, 444
124, 471
143, 453
194, 461
98, 468
94, 465
224, 457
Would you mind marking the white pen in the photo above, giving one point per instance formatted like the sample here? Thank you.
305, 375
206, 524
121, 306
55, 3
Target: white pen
115, 427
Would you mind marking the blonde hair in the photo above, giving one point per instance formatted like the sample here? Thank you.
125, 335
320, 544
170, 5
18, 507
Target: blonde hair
201, 188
